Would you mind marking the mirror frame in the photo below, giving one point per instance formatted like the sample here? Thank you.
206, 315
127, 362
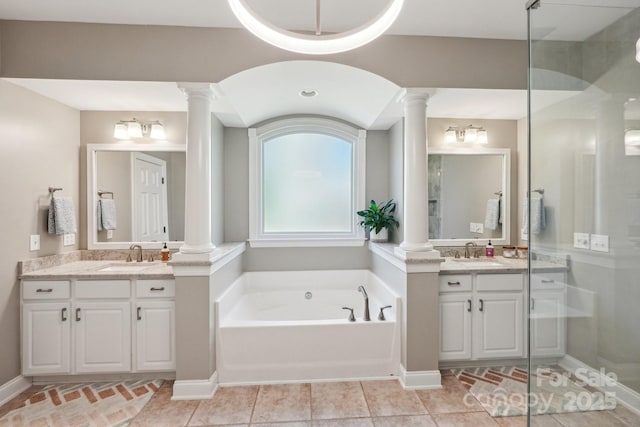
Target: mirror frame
92, 191
506, 192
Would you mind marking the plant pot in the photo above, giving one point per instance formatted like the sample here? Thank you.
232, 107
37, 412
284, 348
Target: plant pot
382, 236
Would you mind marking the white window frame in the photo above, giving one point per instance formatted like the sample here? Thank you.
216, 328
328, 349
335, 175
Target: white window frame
257, 138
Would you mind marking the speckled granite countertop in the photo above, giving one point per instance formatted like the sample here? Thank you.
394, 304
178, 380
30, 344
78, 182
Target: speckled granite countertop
96, 270
497, 264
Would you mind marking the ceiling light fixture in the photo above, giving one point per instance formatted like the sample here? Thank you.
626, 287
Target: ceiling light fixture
129, 129
468, 134
316, 44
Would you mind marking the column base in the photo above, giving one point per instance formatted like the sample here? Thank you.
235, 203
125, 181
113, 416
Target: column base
197, 249
420, 380
410, 254
416, 247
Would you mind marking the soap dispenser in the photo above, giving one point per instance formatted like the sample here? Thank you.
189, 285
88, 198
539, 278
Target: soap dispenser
488, 251
165, 253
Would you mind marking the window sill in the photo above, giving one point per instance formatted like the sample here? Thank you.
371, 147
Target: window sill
305, 243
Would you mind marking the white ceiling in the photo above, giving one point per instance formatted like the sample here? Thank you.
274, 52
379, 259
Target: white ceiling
356, 95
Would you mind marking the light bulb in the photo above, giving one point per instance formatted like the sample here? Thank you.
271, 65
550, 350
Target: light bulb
632, 137
470, 135
157, 131
134, 129
120, 131
482, 137
450, 136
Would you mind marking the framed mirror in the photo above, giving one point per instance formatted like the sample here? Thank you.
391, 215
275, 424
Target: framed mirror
135, 194
469, 196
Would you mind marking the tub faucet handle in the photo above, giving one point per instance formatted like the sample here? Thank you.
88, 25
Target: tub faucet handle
352, 318
381, 315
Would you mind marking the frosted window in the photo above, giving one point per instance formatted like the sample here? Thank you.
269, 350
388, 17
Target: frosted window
307, 184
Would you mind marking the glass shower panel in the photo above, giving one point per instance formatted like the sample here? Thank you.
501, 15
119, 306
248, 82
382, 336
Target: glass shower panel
584, 208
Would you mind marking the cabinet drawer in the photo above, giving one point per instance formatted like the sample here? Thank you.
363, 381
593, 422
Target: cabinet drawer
103, 289
45, 289
541, 280
455, 283
500, 282
156, 288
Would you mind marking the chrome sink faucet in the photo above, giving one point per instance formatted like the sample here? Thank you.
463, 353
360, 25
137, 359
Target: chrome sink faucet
139, 259
367, 317
466, 248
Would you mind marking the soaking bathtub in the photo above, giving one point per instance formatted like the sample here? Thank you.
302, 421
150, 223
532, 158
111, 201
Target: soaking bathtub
274, 327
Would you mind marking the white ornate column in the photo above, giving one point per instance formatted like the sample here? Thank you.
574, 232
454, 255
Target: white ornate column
416, 204
197, 233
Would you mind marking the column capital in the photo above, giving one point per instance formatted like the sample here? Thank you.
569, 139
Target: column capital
204, 90
413, 94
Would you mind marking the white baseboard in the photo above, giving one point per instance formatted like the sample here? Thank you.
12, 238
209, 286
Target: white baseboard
420, 380
623, 394
14, 387
195, 389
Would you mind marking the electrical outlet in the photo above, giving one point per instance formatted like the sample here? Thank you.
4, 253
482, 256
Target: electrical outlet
476, 227
600, 242
34, 242
109, 234
69, 239
581, 240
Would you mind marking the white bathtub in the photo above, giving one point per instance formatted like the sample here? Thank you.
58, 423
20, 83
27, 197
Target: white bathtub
267, 331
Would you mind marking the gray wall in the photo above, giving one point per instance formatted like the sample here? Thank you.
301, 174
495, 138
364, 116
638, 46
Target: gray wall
165, 53
39, 148
396, 176
217, 181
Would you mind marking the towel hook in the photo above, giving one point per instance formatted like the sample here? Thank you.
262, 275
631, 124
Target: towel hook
537, 190
102, 193
498, 193
54, 189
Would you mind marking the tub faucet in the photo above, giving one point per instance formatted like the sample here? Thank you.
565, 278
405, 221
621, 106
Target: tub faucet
361, 289
139, 248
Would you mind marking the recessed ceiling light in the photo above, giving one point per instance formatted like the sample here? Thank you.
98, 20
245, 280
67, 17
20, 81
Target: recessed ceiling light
308, 93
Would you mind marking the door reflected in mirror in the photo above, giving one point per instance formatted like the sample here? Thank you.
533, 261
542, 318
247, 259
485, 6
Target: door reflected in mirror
468, 196
136, 195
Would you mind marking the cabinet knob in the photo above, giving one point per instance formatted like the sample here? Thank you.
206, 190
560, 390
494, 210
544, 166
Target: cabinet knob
481, 305
548, 281
157, 289
469, 305
48, 290
138, 313
77, 315
63, 314
453, 283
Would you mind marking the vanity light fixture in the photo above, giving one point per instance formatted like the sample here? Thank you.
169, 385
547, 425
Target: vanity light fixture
130, 129
316, 44
468, 134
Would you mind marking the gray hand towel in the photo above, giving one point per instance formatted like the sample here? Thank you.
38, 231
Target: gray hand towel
106, 214
492, 216
62, 216
538, 215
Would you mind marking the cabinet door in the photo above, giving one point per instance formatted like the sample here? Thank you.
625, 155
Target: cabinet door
498, 322
455, 326
46, 345
548, 323
155, 336
103, 336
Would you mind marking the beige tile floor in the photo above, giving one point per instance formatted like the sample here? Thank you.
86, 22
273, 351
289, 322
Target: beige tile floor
346, 404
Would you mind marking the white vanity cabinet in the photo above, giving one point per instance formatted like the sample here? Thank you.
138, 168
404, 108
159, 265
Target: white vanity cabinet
155, 325
548, 304
97, 326
481, 316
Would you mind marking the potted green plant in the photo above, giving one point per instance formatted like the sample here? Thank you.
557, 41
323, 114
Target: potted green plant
379, 220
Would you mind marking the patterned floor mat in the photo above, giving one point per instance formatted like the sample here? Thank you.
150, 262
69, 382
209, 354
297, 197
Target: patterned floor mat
502, 391
112, 404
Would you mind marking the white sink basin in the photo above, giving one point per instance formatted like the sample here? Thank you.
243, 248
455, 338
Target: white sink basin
479, 263
126, 268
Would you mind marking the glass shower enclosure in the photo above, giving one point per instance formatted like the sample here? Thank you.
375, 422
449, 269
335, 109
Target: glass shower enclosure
584, 212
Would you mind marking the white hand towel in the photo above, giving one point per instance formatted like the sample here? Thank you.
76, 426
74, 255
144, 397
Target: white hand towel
62, 216
492, 216
106, 214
